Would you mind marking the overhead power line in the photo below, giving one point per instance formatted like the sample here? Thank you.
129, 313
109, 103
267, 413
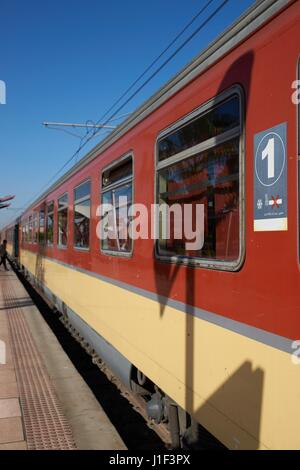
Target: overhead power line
157, 58
179, 48
204, 23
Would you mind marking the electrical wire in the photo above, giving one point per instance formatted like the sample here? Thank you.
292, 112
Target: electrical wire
204, 23
179, 48
202, 10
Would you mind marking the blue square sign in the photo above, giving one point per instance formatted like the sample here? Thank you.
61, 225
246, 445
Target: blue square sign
270, 179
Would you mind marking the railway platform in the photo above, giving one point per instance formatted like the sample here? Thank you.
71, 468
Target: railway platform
44, 402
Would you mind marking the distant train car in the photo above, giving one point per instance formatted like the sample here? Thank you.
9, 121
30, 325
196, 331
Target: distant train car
11, 235
207, 336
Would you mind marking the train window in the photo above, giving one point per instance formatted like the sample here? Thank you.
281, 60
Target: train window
26, 232
62, 221
199, 163
117, 188
82, 215
50, 223
214, 122
35, 227
42, 227
30, 229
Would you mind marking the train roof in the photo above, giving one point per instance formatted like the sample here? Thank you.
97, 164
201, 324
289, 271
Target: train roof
255, 17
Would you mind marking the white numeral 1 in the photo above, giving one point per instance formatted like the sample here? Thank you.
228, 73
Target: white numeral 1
269, 153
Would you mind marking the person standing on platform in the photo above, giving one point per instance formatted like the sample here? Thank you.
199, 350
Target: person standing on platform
3, 255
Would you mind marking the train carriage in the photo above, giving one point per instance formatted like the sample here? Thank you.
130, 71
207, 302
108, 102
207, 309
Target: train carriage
210, 332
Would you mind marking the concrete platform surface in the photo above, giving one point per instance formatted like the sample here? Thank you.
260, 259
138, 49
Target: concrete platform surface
34, 367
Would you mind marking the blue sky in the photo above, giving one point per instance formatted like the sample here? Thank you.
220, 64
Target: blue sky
69, 60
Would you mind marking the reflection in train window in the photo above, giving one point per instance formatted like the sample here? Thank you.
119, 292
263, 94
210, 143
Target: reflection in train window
82, 215
42, 226
62, 221
30, 229
35, 227
26, 231
207, 172
117, 186
50, 223
216, 121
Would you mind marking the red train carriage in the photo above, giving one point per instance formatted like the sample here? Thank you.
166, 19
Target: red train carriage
212, 328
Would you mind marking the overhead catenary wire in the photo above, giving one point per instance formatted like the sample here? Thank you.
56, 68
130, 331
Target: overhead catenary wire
92, 128
204, 23
86, 139
202, 10
148, 68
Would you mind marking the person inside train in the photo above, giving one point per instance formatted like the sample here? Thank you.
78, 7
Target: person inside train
3, 254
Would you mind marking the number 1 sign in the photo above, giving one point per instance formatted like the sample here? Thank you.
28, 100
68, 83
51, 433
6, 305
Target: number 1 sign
270, 179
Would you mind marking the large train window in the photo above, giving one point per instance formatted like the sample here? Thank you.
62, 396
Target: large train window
199, 167
62, 221
42, 227
50, 223
35, 227
82, 215
117, 189
26, 231
23, 232
30, 229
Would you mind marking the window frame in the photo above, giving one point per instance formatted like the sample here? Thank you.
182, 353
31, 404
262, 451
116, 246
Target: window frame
82, 199
60, 246
114, 163
190, 152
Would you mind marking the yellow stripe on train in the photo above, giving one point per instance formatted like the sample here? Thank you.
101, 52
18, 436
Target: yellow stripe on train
238, 388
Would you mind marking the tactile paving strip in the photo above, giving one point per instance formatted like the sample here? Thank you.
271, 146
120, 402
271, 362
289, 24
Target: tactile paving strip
45, 425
